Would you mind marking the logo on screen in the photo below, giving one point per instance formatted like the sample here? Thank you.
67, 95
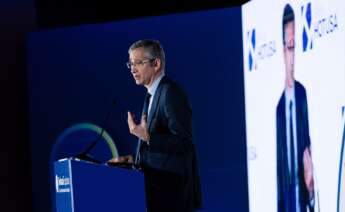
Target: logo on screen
307, 31
258, 50
251, 41
317, 27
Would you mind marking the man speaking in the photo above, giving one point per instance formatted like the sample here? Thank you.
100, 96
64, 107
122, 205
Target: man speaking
295, 181
166, 152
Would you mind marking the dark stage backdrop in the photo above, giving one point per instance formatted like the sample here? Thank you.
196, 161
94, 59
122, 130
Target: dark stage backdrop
75, 73
16, 18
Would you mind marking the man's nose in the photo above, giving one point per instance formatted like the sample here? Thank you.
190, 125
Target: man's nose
133, 69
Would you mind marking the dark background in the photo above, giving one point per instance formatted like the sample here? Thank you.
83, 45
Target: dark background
17, 18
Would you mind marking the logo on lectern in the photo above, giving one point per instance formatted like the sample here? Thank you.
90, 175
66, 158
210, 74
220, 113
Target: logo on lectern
62, 184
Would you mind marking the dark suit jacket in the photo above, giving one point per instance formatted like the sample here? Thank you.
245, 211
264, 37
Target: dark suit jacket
169, 162
303, 141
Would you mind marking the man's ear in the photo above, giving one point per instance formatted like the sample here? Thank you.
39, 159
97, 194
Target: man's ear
157, 64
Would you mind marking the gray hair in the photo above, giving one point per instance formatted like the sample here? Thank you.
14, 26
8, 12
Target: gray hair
152, 47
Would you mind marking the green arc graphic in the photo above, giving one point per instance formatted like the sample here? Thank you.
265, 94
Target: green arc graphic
92, 127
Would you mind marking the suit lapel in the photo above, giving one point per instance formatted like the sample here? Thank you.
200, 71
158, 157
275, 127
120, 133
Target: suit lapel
155, 102
283, 119
298, 107
299, 116
283, 142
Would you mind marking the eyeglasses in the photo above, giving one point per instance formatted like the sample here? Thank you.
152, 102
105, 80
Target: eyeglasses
130, 65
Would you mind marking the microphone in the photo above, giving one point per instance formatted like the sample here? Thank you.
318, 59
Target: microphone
84, 155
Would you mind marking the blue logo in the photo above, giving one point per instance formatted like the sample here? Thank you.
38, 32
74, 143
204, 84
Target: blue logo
317, 27
251, 55
307, 31
258, 50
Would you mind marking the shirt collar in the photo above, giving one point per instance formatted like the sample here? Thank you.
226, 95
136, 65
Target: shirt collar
290, 96
152, 89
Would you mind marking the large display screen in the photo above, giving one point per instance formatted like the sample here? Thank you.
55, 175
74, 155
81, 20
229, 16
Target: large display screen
294, 79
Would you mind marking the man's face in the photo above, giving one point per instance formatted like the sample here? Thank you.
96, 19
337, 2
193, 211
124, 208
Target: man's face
143, 69
289, 52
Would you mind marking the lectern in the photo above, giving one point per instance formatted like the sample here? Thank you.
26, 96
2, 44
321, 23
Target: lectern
81, 186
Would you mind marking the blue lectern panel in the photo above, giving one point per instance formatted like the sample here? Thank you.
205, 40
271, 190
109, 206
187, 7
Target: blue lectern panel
107, 189
63, 189
98, 188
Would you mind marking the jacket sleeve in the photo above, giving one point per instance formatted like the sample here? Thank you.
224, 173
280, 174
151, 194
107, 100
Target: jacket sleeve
307, 144
280, 194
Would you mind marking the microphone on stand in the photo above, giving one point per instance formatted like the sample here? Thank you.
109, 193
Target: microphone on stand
84, 155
